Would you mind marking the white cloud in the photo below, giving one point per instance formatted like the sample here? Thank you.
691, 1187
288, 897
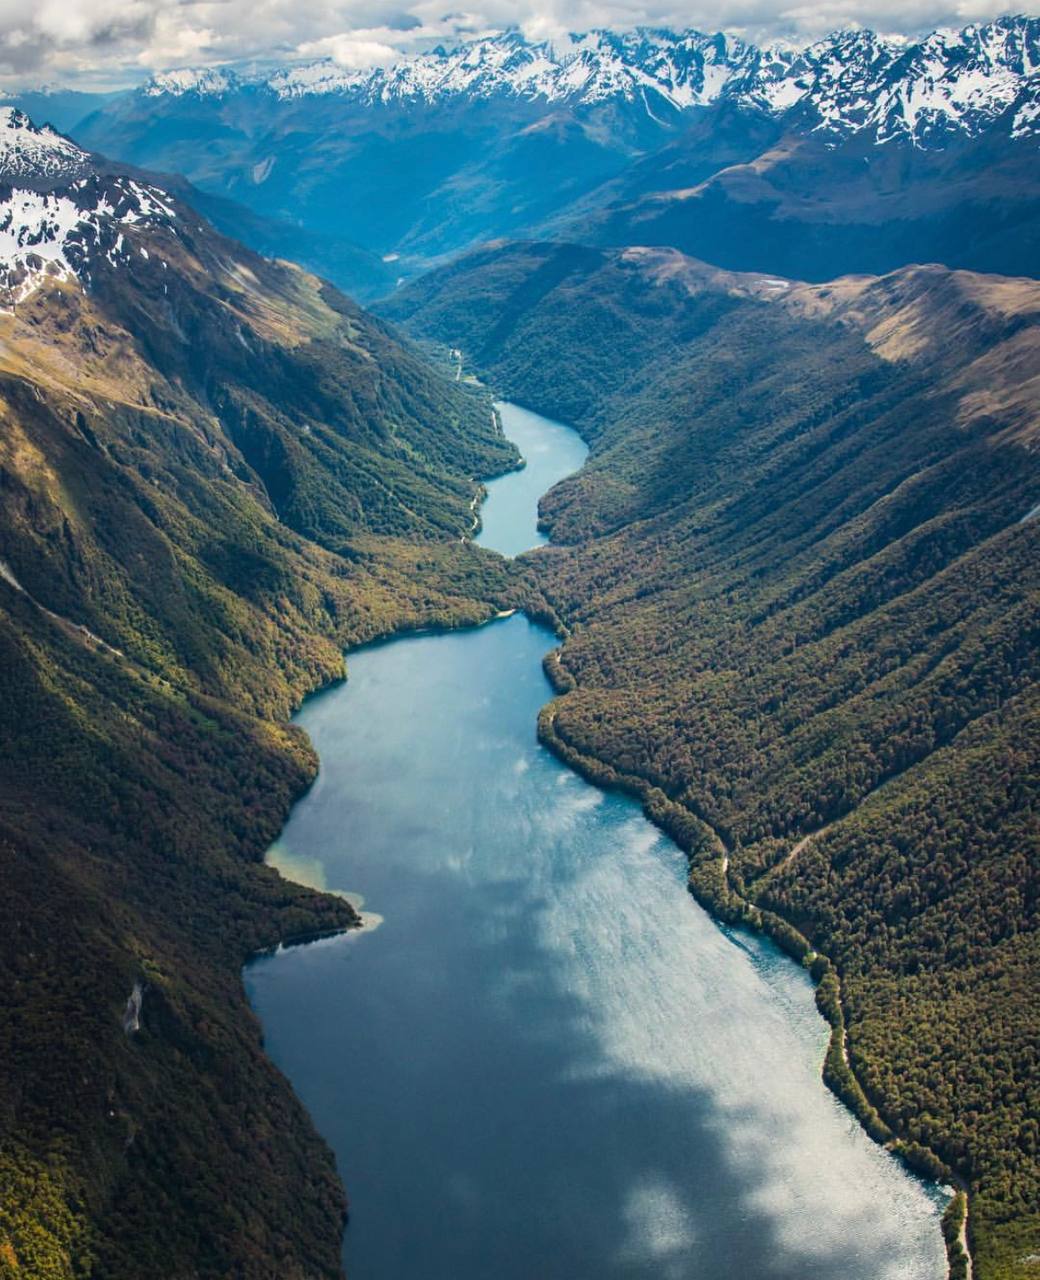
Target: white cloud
365, 47
97, 42
349, 49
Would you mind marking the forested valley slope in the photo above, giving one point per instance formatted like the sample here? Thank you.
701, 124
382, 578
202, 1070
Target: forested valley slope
799, 581
217, 472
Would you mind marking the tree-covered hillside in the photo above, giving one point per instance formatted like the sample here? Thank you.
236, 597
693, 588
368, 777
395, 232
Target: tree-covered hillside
217, 473
799, 578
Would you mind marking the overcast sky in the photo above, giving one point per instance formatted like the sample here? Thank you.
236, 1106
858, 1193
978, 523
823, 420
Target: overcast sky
108, 43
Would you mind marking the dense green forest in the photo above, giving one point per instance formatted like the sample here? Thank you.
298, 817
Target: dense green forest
210, 488
801, 598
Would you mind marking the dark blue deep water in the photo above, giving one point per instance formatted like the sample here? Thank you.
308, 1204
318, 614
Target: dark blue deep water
541, 1060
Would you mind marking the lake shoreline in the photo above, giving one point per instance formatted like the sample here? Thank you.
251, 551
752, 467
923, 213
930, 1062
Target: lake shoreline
687, 830
715, 893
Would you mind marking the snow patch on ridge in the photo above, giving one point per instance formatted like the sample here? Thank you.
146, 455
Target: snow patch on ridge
61, 235
30, 152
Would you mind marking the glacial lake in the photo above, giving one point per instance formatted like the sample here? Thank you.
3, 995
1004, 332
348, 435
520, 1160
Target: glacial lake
542, 1060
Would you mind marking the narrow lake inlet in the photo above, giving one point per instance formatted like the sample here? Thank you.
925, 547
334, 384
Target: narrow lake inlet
547, 1062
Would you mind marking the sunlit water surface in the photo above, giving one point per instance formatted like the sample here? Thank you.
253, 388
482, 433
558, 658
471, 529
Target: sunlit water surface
547, 1063
509, 516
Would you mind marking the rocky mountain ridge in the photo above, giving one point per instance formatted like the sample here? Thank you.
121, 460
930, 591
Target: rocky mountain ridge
30, 152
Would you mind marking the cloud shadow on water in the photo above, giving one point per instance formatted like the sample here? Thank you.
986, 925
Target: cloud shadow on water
511, 1071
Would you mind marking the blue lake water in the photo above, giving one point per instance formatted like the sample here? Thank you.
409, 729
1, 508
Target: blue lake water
509, 516
542, 1060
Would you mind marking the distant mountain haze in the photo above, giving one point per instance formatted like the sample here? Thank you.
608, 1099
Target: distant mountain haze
857, 153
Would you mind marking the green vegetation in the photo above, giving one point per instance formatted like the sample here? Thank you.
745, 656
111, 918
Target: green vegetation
802, 612
953, 1223
209, 490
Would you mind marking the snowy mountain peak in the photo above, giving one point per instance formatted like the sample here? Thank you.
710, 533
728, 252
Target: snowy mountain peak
204, 81
685, 69
29, 153
66, 233
949, 82
853, 80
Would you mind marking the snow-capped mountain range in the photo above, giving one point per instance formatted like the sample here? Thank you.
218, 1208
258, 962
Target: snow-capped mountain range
754, 159
59, 217
950, 82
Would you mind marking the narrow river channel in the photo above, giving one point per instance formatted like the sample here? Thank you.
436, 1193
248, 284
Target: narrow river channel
543, 1061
